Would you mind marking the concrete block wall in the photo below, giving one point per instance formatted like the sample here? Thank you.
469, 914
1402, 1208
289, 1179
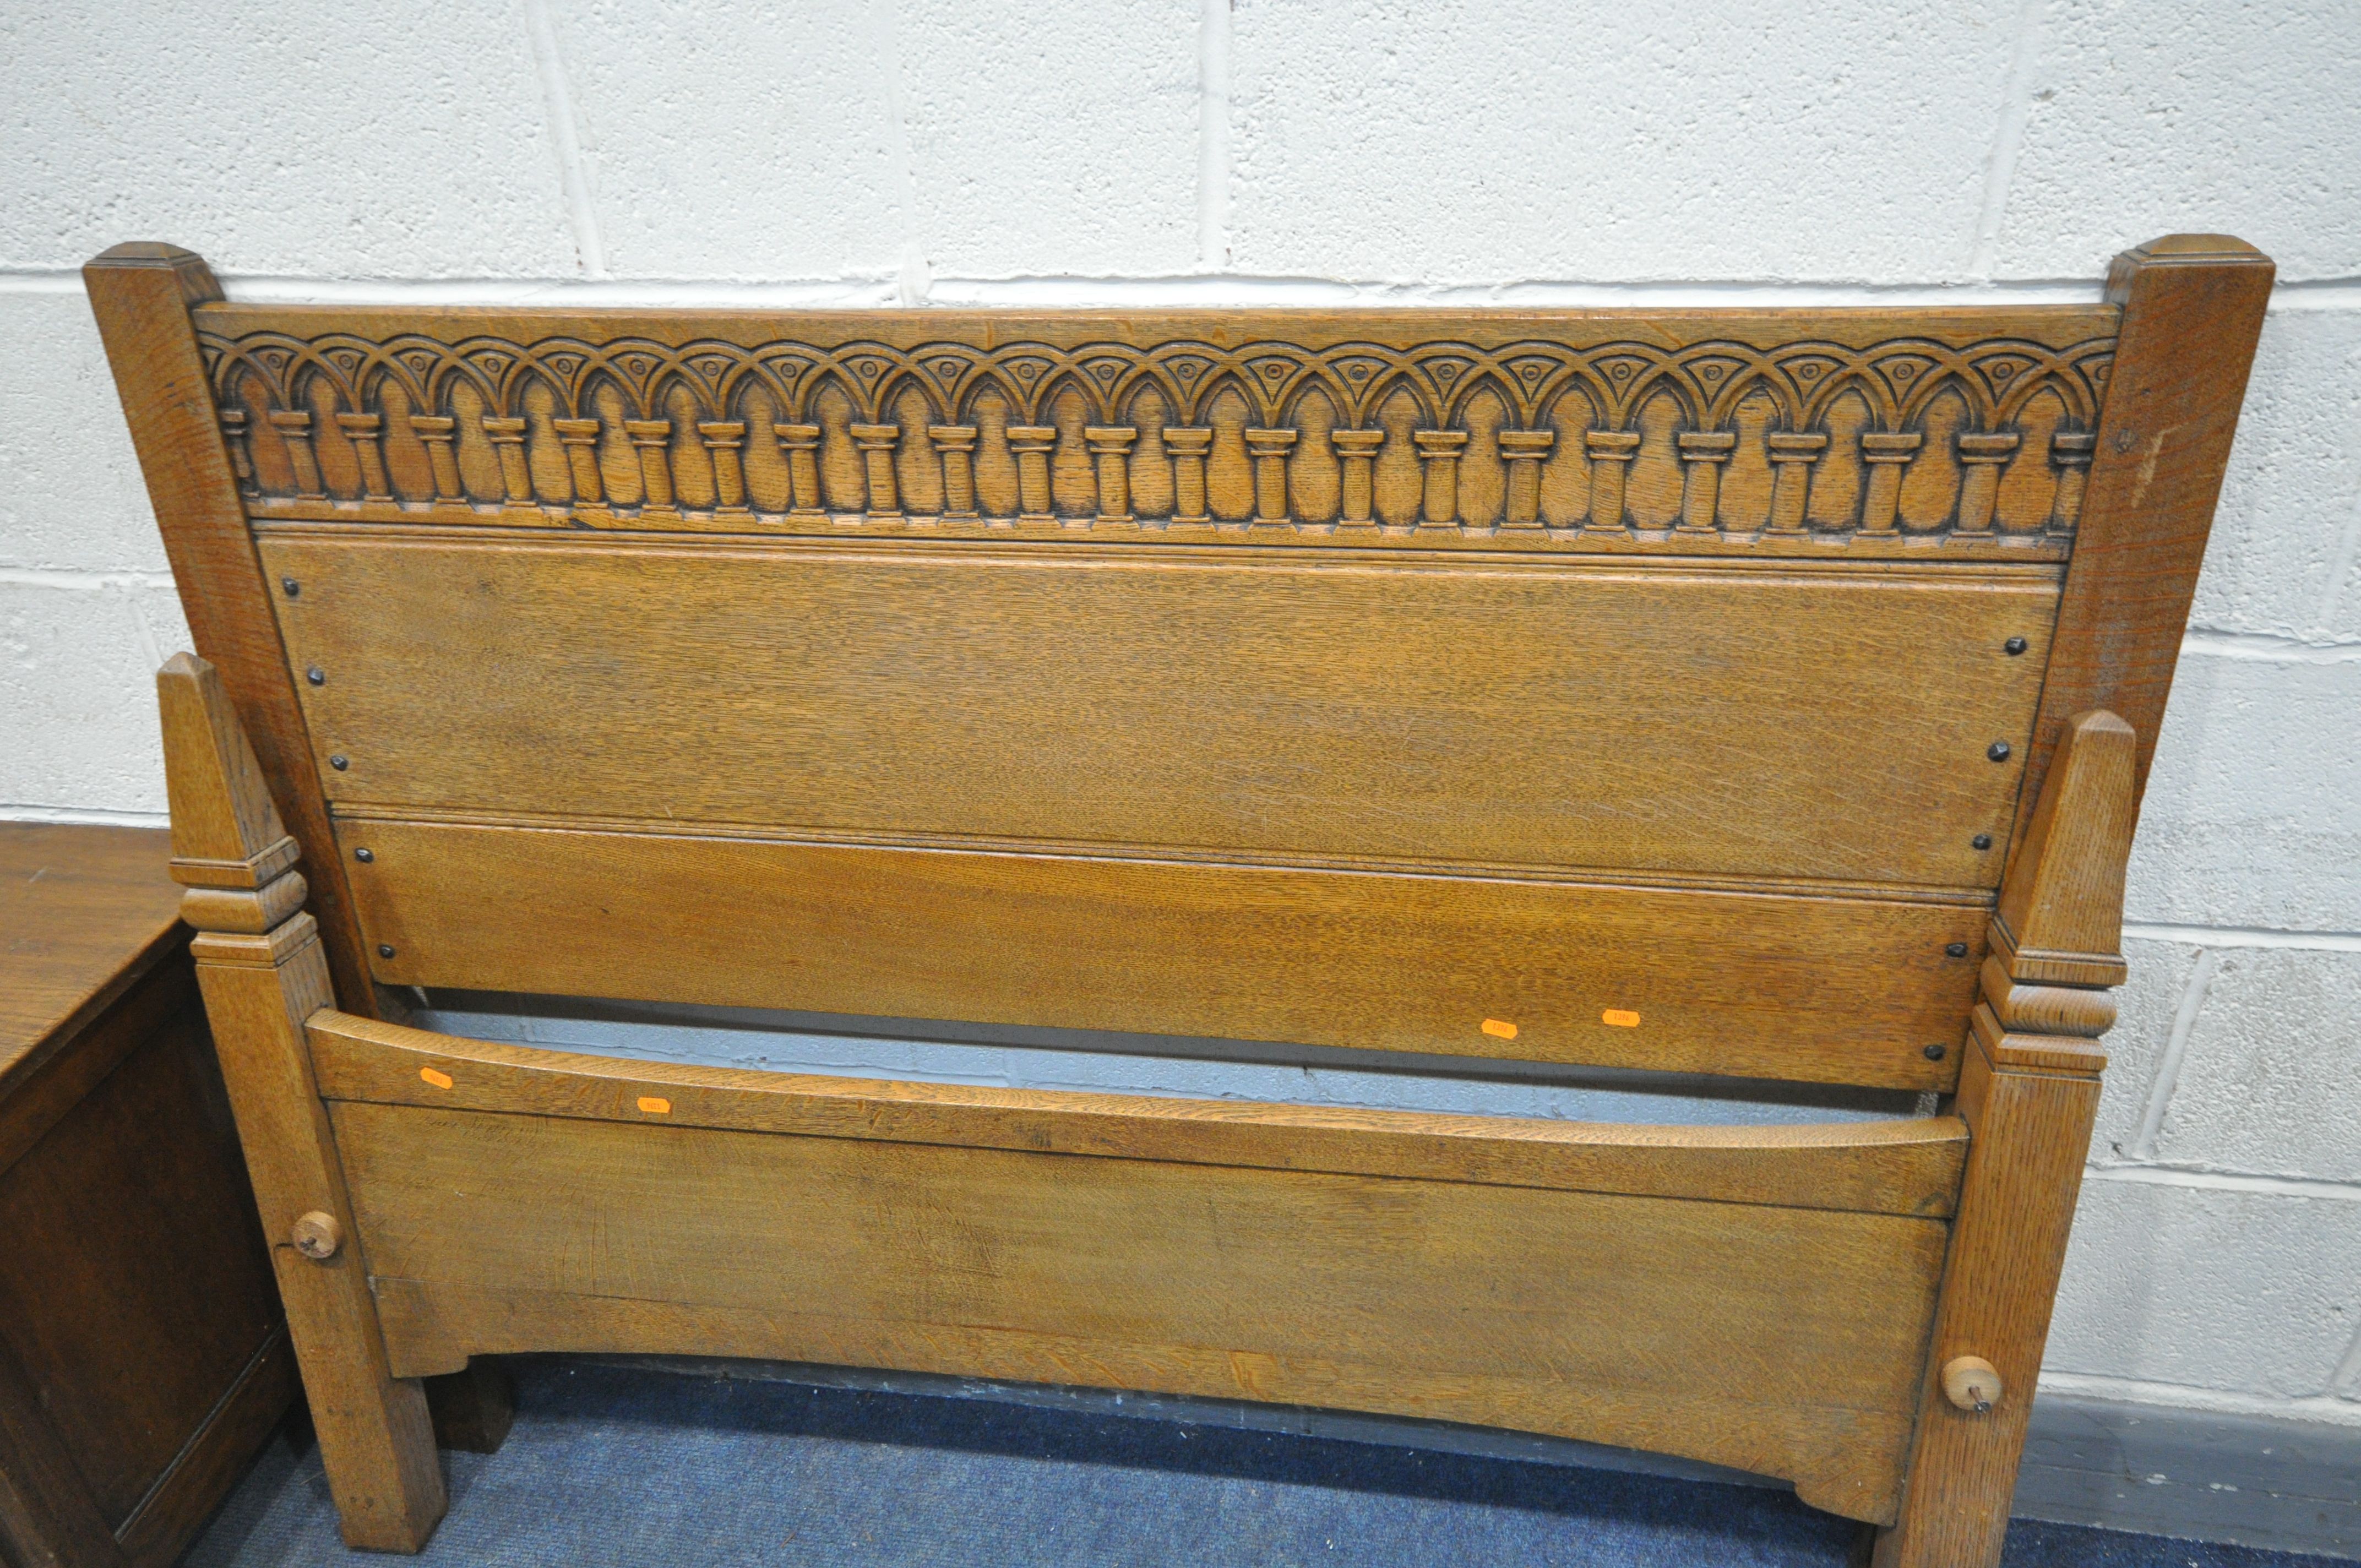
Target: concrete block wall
1114, 151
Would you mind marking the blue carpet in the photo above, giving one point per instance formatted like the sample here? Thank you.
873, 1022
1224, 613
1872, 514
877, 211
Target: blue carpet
617, 1466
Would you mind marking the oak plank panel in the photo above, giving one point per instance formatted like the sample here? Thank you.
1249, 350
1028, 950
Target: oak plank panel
162, 997
47, 1514
1636, 1321
1812, 989
1905, 1166
131, 1339
204, 1473
1828, 723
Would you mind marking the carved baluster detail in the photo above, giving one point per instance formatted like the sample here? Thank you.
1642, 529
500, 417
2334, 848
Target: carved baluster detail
1885, 452
366, 433
294, 427
1189, 447
1981, 457
1439, 450
437, 430
2070, 452
1611, 452
580, 439
801, 443
1523, 450
876, 444
651, 438
1110, 446
1356, 451
1792, 452
1032, 444
1268, 450
506, 436
955, 449
725, 443
241, 460
1703, 452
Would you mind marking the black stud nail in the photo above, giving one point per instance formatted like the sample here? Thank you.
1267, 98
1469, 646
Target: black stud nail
316, 676
292, 585
384, 950
365, 855
1982, 840
1934, 1053
2014, 646
339, 764
1997, 752
1955, 949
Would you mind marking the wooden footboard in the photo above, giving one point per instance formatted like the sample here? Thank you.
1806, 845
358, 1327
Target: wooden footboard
1754, 1297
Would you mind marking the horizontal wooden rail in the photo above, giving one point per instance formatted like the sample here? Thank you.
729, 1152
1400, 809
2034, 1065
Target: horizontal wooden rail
1906, 1166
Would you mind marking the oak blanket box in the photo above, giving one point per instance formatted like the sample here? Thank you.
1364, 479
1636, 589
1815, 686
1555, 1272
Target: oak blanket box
1765, 693
144, 1358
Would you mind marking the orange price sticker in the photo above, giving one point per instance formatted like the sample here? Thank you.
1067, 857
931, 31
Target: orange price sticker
1622, 1018
1500, 1030
439, 1079
655, 1106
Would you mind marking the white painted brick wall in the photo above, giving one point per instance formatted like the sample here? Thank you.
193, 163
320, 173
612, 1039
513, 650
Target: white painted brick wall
1126, 150
1403, 139
2250, 1094
2219, 1290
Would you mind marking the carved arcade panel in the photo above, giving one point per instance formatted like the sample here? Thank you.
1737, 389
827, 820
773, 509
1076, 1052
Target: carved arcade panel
1626, 440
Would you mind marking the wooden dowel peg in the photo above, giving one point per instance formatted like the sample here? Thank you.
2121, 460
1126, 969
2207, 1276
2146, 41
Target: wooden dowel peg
317, 1235
1972, 1383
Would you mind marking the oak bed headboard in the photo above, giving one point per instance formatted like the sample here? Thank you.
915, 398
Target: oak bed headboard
1662, 690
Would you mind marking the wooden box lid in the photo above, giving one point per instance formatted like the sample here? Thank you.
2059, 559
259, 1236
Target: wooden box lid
84, 911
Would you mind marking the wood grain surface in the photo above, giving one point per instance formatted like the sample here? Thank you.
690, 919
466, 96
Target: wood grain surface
1828, 723
2192, 310
84, 912
134, 1290
1784, 1341
1906, 1166
1829, 990
260, 986
2031, 1131
143, 1355
2061, 915
141, 295
373, 1428
2029, 1099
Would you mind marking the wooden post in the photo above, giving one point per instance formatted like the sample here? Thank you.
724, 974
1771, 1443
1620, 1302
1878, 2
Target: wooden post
142, 295
261, 966
472, 1408
2028, 1091
2192, 308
